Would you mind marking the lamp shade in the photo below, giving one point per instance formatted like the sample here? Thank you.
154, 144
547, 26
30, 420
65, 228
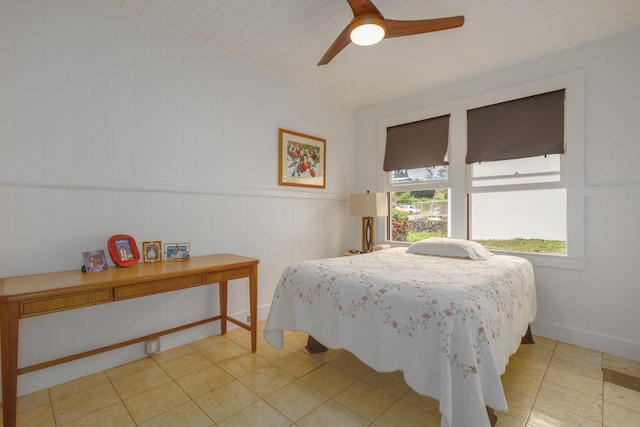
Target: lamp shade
368, 204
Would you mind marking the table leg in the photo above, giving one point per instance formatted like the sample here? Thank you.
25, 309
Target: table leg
9, 353
223, 307
253, 307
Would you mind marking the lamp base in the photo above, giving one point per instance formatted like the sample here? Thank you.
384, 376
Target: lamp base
368, 233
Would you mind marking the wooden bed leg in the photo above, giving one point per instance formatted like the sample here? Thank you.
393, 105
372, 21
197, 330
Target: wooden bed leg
492, 417
314, 346
528, 337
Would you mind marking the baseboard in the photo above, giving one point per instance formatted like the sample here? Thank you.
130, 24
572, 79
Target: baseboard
607, 344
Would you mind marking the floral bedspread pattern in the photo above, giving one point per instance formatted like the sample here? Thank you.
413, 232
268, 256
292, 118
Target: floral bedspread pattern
449, 324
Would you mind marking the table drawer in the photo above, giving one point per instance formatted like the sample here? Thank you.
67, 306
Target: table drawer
150, 288
228, 275
67, 302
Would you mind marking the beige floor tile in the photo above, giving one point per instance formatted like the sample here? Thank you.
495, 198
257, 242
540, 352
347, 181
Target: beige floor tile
203, 381
574, 381
425, 403
533, 352
226, 400
41, 416
391, 382
130, 368
241, 365
272, 354
332, 413
580, 366
140, 382
174, 353
579, 352
351, 364
545, 343
154, 402
527, 366
295, 400
297, 340
266, 380
209, 342
33, 400
245, 340
80, 404
188, 414
298, 363
225, 350
185, 365
544, 415
621, 396
505, 420
521, 383
519, 405
258, 414
329, 380
618, 416
569, 400
365, 400
77, 386
235, 333
329, 355
404, 414
115, 415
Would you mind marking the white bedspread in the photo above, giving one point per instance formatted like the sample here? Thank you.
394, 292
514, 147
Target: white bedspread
449, 324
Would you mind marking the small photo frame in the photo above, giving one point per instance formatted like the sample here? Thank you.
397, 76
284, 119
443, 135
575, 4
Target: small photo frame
302, 160
94, 261
151, 251
123, 250
176, 251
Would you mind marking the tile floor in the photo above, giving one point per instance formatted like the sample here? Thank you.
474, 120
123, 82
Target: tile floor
219, 382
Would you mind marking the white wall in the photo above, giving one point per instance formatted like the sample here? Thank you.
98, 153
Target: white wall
593, 301
109, 124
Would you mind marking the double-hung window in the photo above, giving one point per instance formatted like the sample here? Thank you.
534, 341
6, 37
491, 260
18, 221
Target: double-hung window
416, 157
516, 174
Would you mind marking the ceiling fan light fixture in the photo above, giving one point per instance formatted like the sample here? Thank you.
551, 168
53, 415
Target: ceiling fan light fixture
367, 30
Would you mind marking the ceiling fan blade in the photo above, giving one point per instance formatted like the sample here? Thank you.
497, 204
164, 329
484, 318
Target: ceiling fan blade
361, 7
407, 28
341, 42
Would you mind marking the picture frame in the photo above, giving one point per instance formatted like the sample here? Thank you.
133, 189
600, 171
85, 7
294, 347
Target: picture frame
152, 251
177, 251
123, 250
94, 261
302, 160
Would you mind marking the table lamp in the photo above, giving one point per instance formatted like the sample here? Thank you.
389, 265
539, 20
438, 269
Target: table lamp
368, 206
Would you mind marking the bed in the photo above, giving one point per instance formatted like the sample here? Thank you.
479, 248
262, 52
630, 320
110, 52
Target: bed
448, 323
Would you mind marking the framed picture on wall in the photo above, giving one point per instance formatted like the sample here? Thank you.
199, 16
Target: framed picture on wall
151, 251
176, 251
302, 160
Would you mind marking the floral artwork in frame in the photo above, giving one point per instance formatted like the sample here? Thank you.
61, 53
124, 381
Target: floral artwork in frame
302, 160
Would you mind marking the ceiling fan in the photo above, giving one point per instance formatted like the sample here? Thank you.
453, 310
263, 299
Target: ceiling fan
368, 27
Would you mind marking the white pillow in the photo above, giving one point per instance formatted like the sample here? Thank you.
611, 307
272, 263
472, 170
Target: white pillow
451, 248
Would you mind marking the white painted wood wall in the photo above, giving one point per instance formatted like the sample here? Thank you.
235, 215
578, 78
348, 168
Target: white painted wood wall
109, 124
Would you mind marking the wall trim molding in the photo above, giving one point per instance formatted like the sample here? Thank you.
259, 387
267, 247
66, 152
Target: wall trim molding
78, 182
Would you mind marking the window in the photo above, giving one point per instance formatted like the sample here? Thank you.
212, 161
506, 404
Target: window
516, 184
416, 157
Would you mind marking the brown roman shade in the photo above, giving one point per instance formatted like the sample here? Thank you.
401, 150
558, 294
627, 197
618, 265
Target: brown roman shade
525, 127
417, 144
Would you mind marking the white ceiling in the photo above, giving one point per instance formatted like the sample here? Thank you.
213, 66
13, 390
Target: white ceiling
288, 37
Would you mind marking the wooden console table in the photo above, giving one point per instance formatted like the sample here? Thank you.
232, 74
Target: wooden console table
36, 295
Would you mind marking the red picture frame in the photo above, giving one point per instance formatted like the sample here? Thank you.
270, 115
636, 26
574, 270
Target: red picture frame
123, 250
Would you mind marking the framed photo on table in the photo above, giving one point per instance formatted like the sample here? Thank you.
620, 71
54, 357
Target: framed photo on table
94, 261
151, 251
123, 250
176, 251
302, 160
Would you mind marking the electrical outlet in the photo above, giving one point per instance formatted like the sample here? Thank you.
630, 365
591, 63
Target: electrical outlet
152, 346
248, 319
